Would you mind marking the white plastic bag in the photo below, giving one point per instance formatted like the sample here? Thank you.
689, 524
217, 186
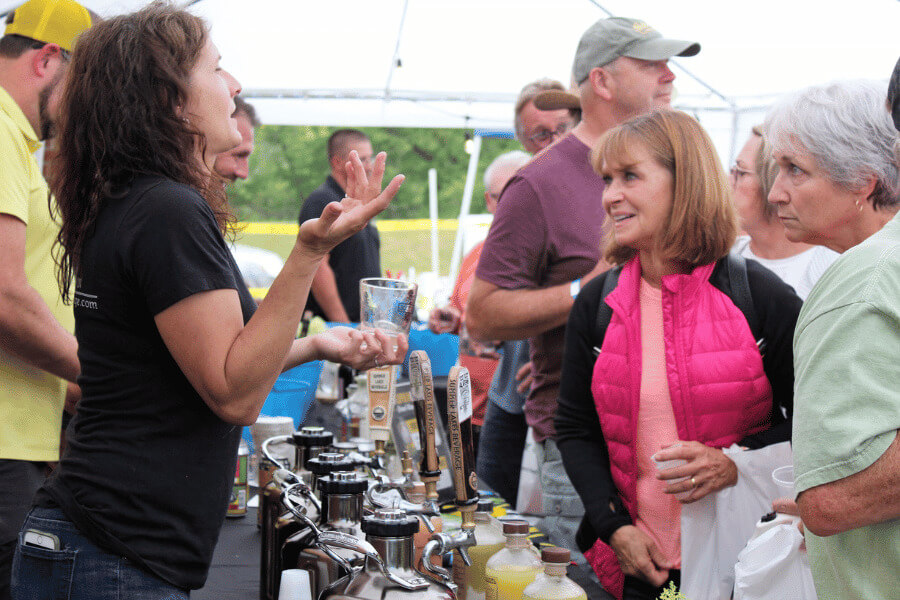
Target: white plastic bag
529, 499
715, 529
773, 566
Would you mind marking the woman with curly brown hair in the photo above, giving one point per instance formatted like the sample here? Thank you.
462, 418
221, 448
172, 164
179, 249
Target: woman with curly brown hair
175, 354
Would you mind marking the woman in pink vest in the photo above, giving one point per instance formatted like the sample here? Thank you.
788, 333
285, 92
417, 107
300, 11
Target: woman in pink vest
678, 373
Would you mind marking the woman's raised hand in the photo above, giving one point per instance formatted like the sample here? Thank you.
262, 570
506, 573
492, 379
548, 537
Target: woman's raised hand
364, 200
707, 470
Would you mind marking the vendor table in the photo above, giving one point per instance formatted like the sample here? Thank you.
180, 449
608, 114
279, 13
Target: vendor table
234, 574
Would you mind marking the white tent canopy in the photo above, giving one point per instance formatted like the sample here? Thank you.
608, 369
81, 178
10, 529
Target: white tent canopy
460, 63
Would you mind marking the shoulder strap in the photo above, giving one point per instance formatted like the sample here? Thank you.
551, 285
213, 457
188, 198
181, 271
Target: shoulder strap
740, 292
604, 312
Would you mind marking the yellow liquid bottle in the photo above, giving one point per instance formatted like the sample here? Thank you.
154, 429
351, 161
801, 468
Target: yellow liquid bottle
488, 541
553, 584
509, 571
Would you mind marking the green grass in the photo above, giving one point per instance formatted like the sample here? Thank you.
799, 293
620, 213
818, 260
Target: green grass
399, 249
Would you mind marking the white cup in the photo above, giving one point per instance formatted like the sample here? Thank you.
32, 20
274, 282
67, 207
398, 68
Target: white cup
662, 465
295, 585
267, 427
784, 479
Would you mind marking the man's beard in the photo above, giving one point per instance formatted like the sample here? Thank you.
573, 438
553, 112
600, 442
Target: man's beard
47, 125
46, 122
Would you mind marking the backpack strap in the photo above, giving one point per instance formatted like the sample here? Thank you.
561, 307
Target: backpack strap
604, 312
740, 295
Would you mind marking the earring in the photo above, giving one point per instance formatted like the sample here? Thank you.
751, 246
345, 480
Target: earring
859, 205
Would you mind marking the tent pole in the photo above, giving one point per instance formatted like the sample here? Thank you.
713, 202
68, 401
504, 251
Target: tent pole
395, 59
466, 205
433, 213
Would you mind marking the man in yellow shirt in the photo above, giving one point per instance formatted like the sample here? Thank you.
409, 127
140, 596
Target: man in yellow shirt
38, 353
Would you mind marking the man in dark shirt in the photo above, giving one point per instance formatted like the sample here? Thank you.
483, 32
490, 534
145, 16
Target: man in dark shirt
335, 289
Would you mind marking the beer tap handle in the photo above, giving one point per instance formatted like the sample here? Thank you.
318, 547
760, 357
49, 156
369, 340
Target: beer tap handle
422, 394
459, 419
382, 392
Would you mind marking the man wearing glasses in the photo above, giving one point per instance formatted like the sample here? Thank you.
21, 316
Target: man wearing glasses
335, 287
535, 128
38, 353
546, 236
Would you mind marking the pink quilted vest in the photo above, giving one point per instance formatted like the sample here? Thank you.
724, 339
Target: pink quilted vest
720, 393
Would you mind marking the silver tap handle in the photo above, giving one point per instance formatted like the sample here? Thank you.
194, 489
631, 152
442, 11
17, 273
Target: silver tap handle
342, 540
278, 439
465, 555
435, 547
293, 486
459, 540
425, 520
383, 485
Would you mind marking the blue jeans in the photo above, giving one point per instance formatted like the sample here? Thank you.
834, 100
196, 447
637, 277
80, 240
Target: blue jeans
561, 505
54, 574
500, 449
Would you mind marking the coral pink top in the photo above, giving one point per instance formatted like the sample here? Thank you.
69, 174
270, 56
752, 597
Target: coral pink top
658, 514
481, 370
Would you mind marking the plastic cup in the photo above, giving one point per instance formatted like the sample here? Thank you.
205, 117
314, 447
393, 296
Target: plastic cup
387, 304
784, 479
662, 465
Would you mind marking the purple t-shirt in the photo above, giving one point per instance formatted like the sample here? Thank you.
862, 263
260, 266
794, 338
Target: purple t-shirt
547, 231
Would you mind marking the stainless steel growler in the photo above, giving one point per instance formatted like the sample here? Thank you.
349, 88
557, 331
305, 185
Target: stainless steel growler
389, 575
342, 495
276, 526
309, 443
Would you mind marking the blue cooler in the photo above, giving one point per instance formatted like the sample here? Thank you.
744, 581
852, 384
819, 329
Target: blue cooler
293, 393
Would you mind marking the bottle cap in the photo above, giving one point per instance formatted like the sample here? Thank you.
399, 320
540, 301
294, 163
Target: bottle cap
343, 483
313, 436
556, 555
390, 523
329, 462
516, 526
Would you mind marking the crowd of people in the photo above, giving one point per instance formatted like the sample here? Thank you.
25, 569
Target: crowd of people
633, 302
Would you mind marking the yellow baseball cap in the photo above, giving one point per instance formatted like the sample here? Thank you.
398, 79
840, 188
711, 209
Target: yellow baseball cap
50, 21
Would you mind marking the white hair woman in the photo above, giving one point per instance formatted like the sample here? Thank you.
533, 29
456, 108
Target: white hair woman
837, 186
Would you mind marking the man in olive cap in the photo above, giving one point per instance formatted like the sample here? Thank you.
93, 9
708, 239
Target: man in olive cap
545, 239
38, 353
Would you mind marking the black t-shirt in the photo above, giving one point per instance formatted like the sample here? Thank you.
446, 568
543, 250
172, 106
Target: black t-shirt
357, 257
149, 467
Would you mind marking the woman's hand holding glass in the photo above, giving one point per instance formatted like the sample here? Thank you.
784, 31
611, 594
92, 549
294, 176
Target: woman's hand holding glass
707, 470
364, 200
359, 349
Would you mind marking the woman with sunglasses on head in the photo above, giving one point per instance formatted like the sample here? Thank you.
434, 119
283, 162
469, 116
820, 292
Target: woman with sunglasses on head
752, 176
176, 356
677, 371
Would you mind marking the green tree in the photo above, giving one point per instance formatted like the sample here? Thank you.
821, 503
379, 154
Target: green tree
290, 162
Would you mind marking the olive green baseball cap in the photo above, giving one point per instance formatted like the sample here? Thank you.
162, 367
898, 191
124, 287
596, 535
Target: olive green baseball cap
608, 39
57, 22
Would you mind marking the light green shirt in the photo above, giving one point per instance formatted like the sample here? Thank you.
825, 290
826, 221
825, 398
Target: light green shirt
847, 406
